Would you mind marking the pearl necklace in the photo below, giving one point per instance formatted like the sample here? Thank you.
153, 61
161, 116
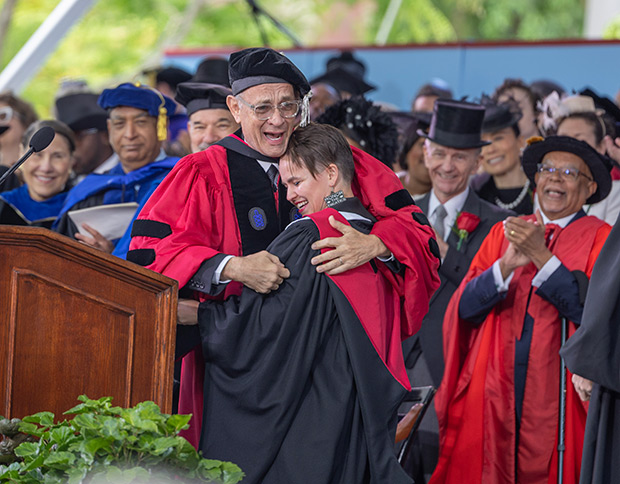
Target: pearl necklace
516, 201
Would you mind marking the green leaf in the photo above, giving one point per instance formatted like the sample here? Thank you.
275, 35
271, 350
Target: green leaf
60, 435
163, 445
59, 460
86, 420
45, 419
175, 423
27, 449
30, 429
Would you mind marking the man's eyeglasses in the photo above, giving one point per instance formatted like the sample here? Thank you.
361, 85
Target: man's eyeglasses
288, 109
6, 114
566, 173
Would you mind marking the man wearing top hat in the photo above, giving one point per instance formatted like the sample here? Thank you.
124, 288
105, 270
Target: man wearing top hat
498, 405
452, 155
93, 151
209, 119
208, 223
137, 126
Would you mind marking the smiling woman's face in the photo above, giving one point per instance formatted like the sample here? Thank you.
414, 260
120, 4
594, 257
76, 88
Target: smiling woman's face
46, 172
303, 190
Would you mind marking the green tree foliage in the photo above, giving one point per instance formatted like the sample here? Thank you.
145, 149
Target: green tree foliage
116, 39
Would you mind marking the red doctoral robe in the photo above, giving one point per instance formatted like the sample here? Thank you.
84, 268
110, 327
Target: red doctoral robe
476, 400
196, 204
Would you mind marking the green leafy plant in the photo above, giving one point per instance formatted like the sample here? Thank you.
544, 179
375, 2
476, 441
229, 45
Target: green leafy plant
106, 444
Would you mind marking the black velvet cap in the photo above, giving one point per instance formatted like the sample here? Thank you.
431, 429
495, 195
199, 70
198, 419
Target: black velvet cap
196, 96
261, 65
456, 124
343, 81
599, 166
80, 111
212, 70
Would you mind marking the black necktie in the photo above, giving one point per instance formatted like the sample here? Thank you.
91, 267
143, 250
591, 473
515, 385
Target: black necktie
273, 173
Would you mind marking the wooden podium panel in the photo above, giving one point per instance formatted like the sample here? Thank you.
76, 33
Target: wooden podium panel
75, 320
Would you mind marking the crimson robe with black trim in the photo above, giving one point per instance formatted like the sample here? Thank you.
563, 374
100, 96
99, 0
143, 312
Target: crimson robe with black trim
476, 400
302, 385
196, 206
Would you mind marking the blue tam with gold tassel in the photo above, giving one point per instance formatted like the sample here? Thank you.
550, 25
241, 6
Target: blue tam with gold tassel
141, 97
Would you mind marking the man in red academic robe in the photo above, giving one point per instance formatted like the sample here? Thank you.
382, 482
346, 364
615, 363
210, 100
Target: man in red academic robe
208, 223
498, 405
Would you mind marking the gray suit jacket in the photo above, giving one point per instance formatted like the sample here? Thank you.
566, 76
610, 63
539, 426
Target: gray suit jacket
429, 339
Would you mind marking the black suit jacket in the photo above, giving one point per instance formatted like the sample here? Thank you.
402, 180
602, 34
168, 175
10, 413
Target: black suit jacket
429, 339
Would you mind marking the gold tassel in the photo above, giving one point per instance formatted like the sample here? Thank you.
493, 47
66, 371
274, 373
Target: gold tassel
162, 124
162, 117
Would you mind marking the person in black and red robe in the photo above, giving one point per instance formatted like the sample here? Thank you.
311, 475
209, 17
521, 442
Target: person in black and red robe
498, 404
209, 222
302, 384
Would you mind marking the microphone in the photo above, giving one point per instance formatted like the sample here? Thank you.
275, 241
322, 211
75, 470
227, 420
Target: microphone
39, 141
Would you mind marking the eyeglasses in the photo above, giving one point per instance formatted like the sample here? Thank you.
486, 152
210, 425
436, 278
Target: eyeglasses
566, 173
287, 109
6, 114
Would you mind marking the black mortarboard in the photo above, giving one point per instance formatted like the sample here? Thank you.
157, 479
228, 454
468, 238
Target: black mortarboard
599, 166
172, 76
80, 111
348, 62
196, 96
212, 70
261, 65
343, 81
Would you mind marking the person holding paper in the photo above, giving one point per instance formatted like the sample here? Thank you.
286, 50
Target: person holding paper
46, 177
137, 125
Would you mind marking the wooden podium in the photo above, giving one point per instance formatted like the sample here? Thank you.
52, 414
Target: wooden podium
77, 321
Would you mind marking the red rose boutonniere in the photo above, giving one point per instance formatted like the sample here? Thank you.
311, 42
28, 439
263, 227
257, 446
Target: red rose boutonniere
465, 224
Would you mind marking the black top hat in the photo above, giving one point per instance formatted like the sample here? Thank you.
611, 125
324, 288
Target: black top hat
343, 81
599, 166
261, 65
80, 111
498, 116
212, 70
196, 96
456, 124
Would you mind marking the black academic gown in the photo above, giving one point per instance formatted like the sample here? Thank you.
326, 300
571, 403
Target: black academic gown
295, 391
593, 352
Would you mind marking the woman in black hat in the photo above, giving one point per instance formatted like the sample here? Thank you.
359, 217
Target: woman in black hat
503, 184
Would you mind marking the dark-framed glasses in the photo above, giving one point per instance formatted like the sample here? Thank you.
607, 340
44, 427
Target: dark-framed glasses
287, 109
571, 174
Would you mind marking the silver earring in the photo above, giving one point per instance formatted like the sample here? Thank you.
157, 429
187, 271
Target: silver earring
334, 198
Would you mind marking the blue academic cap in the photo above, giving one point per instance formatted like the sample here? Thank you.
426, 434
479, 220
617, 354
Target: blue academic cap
143, 97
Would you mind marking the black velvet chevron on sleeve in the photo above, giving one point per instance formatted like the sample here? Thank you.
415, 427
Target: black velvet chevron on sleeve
398, 200
150, 228
143, 257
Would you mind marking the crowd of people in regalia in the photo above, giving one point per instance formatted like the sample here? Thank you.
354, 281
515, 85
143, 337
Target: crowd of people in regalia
334, 252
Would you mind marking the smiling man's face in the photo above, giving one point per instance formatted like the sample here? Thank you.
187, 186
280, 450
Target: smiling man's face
269, 137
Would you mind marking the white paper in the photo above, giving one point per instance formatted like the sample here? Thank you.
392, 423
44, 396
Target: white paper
111, 221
